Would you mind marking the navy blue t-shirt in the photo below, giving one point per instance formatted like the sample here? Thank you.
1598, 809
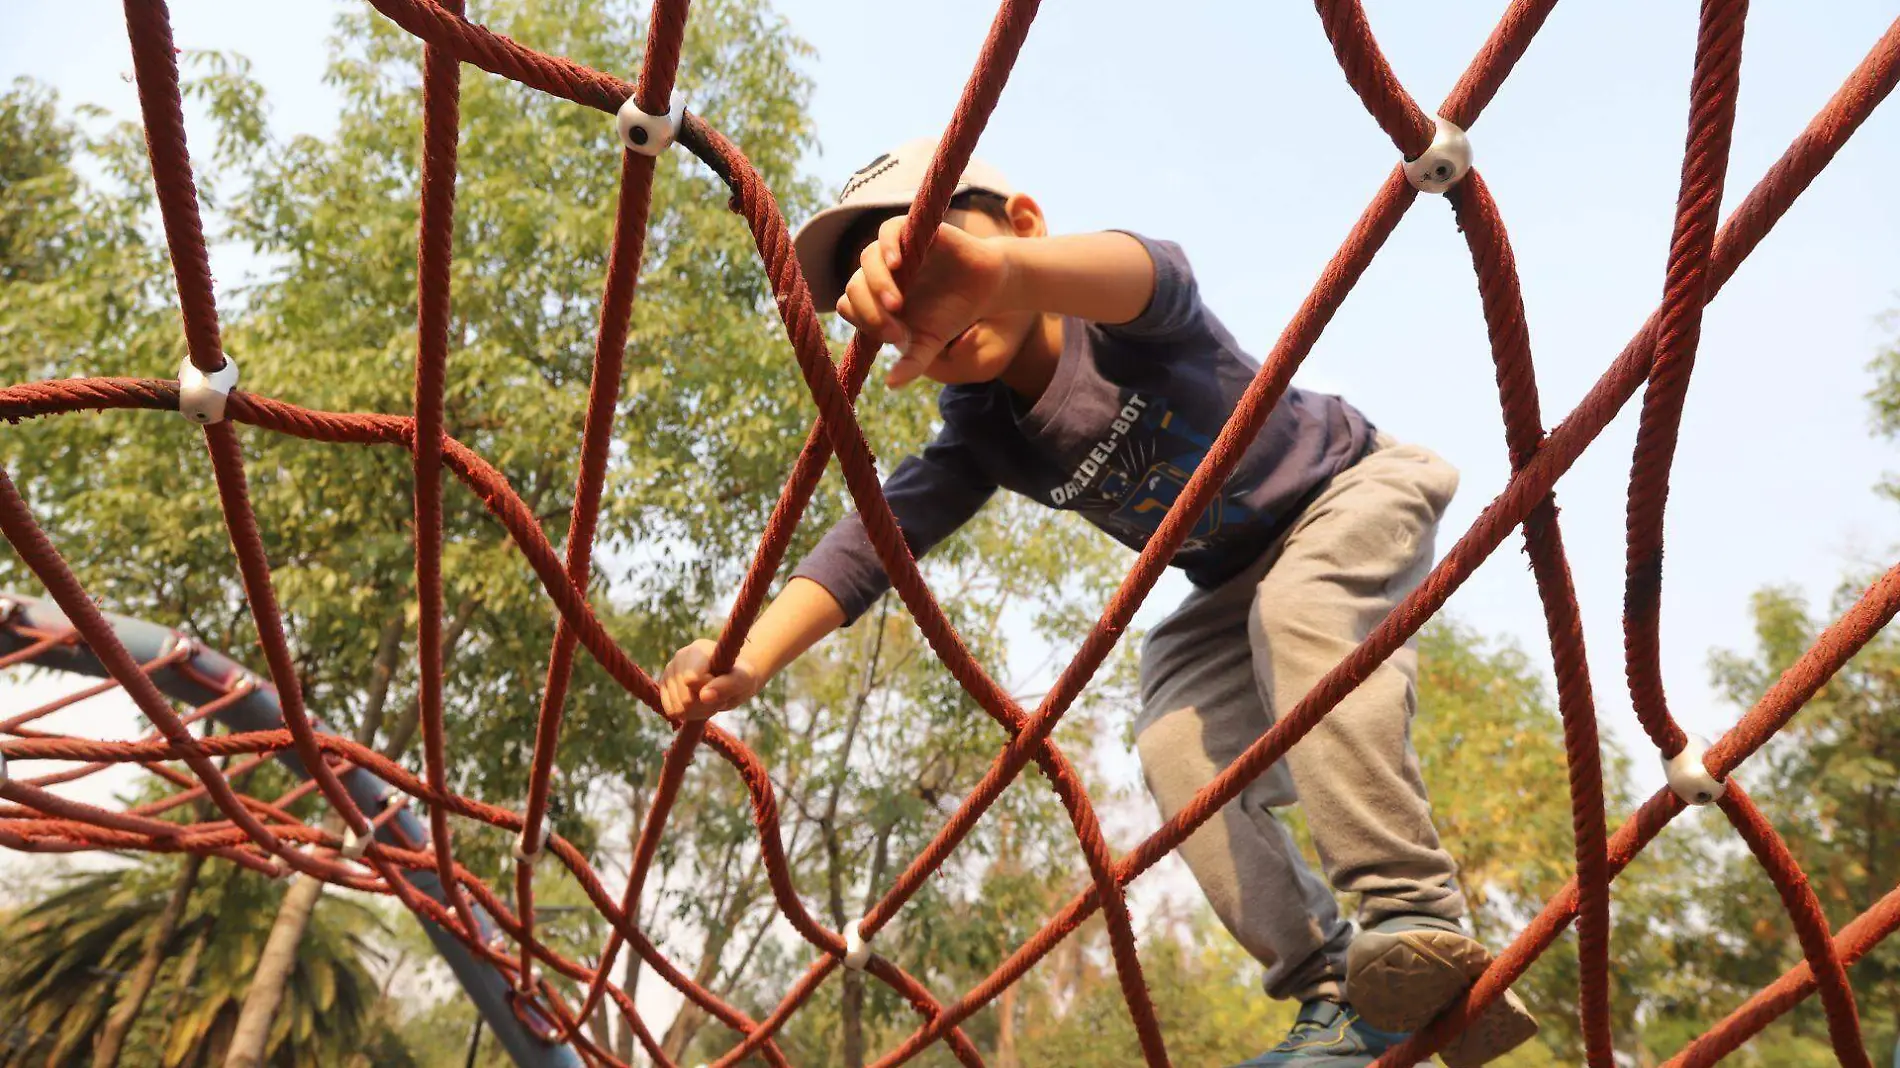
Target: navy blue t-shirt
1131, 411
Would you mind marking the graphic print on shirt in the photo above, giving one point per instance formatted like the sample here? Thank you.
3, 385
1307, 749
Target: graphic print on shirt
1133, 476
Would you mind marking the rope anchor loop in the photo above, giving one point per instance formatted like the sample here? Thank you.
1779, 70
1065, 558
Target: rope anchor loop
647, 134
201, 395
1689, 777
1444, 163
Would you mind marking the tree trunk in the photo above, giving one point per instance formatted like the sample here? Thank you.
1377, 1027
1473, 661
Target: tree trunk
105, 1053
404, 729
279, 958
681, 1032
274, 966
601, 1026
852, 1007
851, 1000
687, 1023
630, 961
1006, 1028
381, 671
691, 1018
1006, 1004
630, 982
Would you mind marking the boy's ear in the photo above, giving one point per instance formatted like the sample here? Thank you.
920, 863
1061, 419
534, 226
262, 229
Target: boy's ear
1025, 216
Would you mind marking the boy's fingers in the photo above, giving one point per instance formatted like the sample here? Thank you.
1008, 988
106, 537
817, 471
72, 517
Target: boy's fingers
866, 315
889, 237
719, 694
906, 370
919, 354
677, 687
877, 278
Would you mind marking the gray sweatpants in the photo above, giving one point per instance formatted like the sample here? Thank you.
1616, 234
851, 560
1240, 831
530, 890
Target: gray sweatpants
1214, 673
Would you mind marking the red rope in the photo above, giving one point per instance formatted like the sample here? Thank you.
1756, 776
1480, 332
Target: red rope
14, 723
1370, 76
1711, 124
264, 837
435, 248
1810, 925
1504, 318
1866, 931
666, 31
155, 68
28, 652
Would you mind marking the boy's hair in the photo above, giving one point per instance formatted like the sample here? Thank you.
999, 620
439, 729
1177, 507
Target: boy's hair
863, 230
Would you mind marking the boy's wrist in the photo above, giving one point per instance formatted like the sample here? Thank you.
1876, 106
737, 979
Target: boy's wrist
1017, 290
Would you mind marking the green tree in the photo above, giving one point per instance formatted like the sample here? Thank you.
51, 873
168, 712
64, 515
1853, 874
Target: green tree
69, 951
1830, 784
710, 416
1490, 743
874, 745
1206, 990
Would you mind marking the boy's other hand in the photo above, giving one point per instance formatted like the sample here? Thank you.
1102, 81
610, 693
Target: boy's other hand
961, 281
688, 688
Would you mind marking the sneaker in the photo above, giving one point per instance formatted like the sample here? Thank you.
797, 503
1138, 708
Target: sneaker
1403, 971
1326, 1035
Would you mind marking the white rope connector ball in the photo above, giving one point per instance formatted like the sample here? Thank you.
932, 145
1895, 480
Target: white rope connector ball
1444, 163
354, 847
857, 951
201, 396
523, 853
1689, 777
647, 134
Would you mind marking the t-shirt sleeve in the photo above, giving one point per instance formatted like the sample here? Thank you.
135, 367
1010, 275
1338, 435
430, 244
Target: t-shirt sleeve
931, 496
1175, 305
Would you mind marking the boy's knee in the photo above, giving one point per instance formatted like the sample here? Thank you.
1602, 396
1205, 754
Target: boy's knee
1174, 757
1178, 760
1162, 736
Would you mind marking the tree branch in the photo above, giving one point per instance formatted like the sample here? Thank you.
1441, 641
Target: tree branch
382, 670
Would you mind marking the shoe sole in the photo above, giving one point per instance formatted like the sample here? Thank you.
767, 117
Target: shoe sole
1400, 982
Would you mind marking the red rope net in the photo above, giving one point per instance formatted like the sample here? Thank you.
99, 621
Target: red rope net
263, 836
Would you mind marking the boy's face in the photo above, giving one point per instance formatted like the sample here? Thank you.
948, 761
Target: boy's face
988, 346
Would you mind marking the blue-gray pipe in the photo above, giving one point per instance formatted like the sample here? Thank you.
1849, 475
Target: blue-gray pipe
258, 710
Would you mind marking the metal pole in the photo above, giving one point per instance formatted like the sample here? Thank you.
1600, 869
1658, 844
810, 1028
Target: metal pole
474, 1043
259, 710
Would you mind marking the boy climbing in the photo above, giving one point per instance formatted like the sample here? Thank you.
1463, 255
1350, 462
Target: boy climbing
1084, 372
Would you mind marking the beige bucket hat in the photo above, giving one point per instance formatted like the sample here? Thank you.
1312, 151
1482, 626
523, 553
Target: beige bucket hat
889, 181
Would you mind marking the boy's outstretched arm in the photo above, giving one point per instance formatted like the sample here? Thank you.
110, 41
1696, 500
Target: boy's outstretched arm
1103, 277
803, 613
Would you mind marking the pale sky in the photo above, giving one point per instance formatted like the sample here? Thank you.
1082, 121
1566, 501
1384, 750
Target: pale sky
1228, 127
